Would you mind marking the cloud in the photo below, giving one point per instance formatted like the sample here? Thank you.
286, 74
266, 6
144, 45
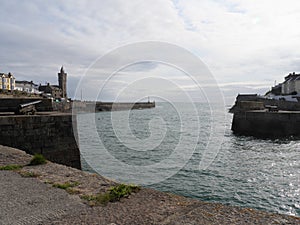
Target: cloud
240, 41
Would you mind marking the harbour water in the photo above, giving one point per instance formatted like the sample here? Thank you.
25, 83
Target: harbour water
247, 172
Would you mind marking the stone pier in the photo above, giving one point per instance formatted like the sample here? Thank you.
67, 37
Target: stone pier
50, 135
265, 124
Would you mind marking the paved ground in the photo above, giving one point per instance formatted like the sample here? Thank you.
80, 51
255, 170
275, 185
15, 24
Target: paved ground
26, 200
29, 201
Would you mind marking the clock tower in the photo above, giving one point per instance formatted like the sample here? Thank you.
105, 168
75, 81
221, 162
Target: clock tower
62, 82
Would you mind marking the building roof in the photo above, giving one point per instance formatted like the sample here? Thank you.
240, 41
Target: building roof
47, 87
9, 75
25, 82
292, 77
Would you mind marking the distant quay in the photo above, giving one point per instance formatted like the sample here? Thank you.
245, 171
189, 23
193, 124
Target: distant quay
48, 105
265, 118
110, 106
281, 104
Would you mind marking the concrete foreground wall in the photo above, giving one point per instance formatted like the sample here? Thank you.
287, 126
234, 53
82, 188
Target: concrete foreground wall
267, 124
50, 135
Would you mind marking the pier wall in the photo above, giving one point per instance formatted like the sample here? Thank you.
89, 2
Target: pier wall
110, 106
50, 135
265, 124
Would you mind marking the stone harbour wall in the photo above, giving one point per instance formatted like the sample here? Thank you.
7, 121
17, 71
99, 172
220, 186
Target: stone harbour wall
264, 124
110, 106
50, 135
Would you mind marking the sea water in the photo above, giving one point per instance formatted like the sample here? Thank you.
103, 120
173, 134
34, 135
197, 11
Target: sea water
246, 172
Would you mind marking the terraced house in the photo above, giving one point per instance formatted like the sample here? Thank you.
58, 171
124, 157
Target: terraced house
7, 82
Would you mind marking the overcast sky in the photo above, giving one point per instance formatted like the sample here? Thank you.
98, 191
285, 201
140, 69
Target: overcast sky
247, 45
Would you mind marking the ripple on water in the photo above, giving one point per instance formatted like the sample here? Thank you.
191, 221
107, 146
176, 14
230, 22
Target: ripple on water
247, 172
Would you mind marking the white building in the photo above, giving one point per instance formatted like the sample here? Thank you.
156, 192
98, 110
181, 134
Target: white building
291, 85
27, 86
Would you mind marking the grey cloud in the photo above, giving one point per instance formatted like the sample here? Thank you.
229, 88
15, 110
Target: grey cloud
237, 40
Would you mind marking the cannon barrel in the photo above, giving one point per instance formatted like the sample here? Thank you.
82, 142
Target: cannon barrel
29, 103
27, 108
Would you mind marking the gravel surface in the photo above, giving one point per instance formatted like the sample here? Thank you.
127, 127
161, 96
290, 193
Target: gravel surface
34, 200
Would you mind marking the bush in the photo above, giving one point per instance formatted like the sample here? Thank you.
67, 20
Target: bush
37, 159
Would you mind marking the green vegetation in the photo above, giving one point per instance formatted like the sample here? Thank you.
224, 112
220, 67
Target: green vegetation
28, 174
89, 197
66, 185
114, 194
122, 190
37, 159
11, 167
73, 191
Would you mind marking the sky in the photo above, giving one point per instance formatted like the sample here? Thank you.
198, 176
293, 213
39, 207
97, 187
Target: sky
246, 45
